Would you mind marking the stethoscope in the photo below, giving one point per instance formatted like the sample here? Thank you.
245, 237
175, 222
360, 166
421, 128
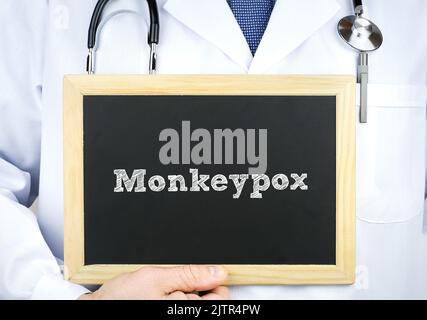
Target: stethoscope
364, 36
357, 31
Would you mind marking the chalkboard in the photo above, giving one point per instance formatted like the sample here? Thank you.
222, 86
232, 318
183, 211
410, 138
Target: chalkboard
258, 176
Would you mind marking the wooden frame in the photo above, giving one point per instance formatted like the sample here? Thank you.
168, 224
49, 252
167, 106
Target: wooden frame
343, 87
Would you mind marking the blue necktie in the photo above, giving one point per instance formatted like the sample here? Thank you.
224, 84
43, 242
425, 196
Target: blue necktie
252, 17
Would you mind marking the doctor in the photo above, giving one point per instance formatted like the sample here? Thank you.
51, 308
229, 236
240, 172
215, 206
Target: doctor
42, 40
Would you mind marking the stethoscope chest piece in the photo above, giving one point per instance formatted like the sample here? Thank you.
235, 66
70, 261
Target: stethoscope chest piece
360, 33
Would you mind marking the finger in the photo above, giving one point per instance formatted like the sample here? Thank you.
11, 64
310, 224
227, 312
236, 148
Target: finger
179, 295
193, 296
220, 293
191, 278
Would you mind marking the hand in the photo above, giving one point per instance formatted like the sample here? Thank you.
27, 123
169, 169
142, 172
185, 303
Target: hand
177, 283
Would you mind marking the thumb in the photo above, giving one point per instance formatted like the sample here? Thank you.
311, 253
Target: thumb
191, 278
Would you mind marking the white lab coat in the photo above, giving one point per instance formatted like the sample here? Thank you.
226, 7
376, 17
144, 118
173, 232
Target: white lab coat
42, 40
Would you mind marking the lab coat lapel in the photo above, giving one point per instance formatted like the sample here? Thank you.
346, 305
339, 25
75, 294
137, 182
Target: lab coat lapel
291, 23
214, 21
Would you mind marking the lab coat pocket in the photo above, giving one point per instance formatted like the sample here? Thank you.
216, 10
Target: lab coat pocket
391, 154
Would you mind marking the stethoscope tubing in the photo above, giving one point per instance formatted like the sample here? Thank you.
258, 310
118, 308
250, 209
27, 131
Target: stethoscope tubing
94, 23
152, 39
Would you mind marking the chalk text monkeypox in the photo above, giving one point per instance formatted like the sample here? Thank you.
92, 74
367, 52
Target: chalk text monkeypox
226, 140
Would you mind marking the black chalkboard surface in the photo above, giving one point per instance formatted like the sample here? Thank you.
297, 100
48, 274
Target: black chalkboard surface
284, 227
281, 148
